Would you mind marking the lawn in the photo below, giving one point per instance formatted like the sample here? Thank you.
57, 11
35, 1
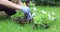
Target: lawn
8, 25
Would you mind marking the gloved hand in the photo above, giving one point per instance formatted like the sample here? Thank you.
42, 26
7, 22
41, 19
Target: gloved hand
26, 11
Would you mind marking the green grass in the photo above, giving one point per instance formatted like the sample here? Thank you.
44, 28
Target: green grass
8, 25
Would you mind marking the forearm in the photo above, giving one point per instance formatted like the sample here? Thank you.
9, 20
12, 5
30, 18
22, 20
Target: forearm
20, 2
10, 4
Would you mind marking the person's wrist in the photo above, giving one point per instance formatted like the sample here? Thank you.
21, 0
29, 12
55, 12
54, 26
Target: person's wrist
21, 7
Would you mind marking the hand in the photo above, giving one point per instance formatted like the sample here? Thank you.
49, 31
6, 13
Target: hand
26, 11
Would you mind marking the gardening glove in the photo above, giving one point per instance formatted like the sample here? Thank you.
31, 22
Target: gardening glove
26, 11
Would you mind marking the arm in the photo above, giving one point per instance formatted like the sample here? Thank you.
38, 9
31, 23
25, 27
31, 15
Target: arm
17, 2
20, 2
9, 4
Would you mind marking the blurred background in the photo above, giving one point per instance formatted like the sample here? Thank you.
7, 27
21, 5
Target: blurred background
44, 2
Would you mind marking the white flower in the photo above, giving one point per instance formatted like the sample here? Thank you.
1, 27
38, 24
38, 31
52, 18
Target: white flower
53, 18
44, 12
34, 8
49, 16
53, 13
